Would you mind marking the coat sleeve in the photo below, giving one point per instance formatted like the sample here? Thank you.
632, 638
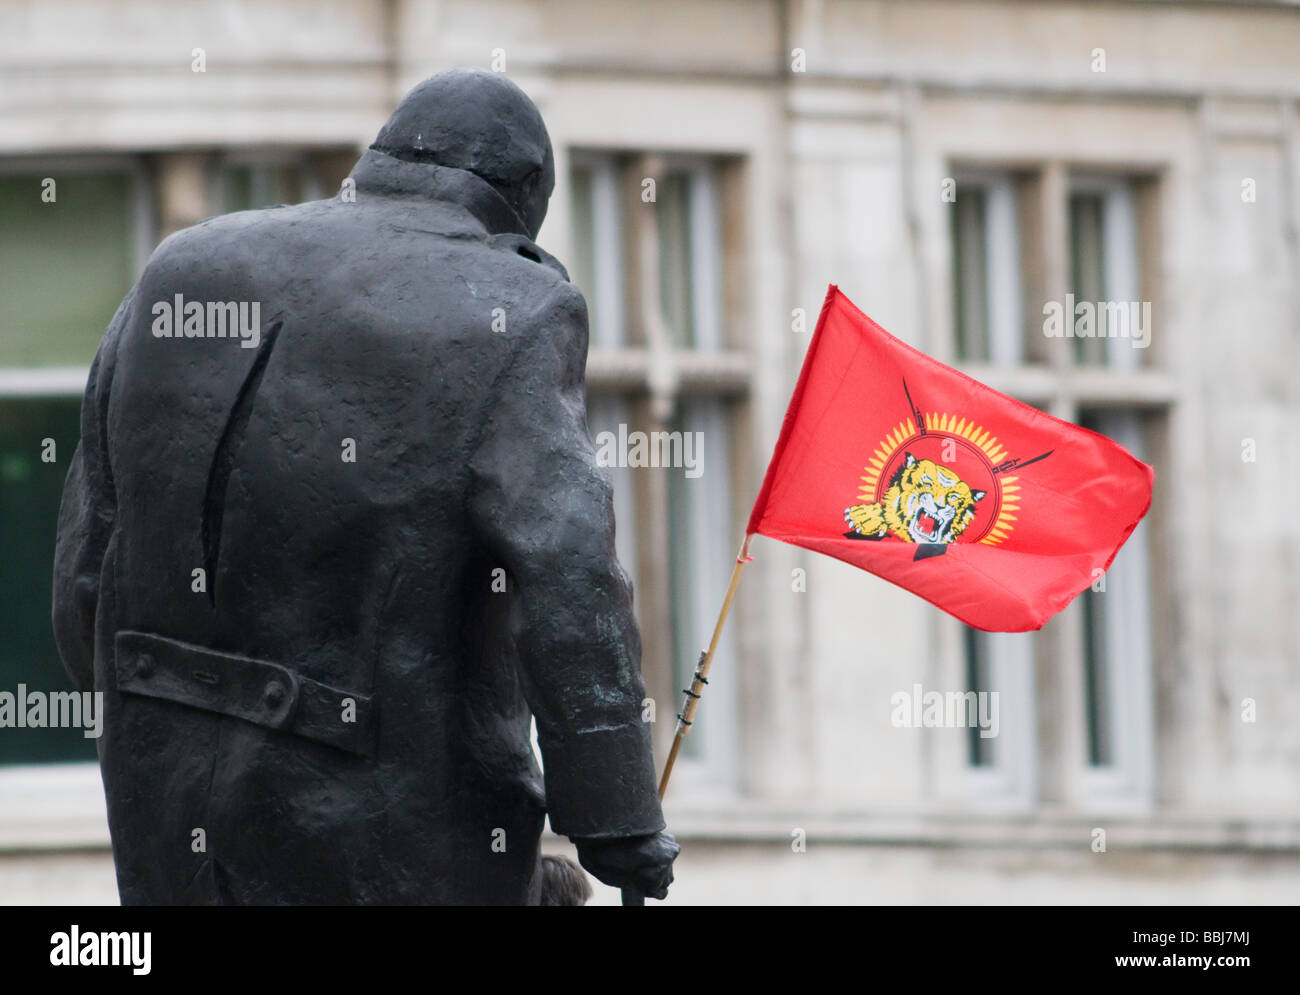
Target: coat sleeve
86, 517
543, 509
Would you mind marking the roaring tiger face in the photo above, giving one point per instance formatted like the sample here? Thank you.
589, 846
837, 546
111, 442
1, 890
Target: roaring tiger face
925, 502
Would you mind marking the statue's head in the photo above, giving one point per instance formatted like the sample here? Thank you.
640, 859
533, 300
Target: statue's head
481, 122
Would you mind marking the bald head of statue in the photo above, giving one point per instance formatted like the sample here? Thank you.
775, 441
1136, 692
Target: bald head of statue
480, 122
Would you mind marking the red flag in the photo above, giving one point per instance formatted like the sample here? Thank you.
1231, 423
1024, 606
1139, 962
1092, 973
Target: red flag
986, 507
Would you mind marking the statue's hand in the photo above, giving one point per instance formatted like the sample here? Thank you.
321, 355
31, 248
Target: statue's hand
643, 863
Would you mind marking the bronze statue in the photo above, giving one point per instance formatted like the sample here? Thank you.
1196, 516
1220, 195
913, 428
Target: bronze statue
335, 529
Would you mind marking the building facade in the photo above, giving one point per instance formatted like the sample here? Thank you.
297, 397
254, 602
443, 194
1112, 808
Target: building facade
959, 170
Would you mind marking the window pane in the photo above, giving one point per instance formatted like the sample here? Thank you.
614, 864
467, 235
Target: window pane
582, 266
1118, 652
1004, 284
597, 263
1121, 279
685, 641
30, 491
605, 412
67, 265
676, 258
1096, 663
1096, 672
706, 258
970, 275
1087, 265
700, 544
979, 749
1116, 638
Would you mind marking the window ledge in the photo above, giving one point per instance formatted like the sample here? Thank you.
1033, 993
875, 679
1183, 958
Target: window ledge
726, 372
1039, 384
43, 381
52, 807
61, 807
739, 822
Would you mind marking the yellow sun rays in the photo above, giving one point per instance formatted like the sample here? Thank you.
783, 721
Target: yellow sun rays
903, 431
1010, 503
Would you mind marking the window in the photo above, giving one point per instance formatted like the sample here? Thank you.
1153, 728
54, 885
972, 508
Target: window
977, 651
30, 489
701, 536
651, 267
69, 260
1090, 226
74, 233
1114, 616
70, 245
70, 251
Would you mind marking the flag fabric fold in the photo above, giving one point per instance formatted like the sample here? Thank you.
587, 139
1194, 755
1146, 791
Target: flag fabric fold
988, 508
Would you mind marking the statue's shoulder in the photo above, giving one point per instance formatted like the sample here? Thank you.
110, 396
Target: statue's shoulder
240, 233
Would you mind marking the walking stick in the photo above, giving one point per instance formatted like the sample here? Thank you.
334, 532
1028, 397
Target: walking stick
692, 694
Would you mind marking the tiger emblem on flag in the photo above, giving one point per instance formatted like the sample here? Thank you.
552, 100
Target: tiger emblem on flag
926, 502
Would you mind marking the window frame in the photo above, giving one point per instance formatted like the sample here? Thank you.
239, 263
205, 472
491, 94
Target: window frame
50, 805
56, 805
1126, 784
1126, 384
636, 373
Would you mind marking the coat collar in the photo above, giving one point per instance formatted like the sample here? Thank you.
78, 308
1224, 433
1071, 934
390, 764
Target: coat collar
379, 173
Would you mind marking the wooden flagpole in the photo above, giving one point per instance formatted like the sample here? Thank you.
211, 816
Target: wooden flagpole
702, 670
693, 693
